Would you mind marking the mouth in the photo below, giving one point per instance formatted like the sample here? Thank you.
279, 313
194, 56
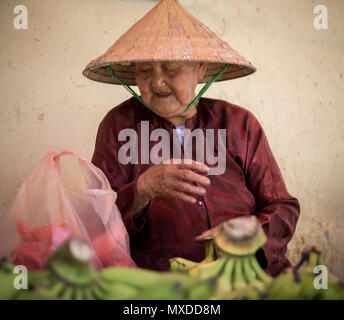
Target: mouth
162, 95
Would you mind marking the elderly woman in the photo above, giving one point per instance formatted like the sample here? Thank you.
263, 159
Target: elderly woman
166, 205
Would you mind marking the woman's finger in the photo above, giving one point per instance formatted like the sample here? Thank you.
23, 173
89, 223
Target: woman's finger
194, 165
187, 187
182, 196
189, 175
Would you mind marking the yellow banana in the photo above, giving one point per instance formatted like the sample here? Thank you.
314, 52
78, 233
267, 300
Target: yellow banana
181, 265
208, 270
210, 254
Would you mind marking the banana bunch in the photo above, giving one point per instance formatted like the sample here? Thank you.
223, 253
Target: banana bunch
298, 283
68, 274
237, 241
131, 283
230, 269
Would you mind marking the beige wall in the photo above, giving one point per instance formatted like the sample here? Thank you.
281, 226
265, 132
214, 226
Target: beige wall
297, 93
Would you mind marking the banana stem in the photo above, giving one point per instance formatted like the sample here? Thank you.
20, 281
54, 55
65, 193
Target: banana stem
210, 254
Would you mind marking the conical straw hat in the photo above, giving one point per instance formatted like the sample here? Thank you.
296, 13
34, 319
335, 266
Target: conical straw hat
168, 33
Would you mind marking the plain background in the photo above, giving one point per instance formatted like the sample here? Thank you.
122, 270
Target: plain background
297, 94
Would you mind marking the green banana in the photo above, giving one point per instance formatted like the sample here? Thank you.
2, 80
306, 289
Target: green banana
298, 282
307, 289
250, 274
119, 291
225, 279
79, 294
36, 277
260, 273
40, 293
98, 292
7, 278
284, 287
238, 276
6, 266
243, 293
162, 290
87, 293
138, 278
305, 274
7, 289
334, 291
201, 290
56, 289
68, 293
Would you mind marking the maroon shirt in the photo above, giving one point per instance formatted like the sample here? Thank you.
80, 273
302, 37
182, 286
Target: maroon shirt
251, 184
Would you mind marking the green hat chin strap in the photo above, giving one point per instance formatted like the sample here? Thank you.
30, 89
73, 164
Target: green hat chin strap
196, 99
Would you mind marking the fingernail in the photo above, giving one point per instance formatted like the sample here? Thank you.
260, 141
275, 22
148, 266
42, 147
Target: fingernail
203, 191
207, 181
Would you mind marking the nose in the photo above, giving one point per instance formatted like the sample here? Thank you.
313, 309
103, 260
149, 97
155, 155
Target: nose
158, 80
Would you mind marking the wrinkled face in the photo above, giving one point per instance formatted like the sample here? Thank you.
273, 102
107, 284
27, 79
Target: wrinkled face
168, 87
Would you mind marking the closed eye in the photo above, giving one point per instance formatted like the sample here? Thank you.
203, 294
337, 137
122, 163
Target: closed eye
171, 66
145, 70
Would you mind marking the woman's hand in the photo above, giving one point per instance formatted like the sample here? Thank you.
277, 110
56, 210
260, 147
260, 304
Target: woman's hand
168, 180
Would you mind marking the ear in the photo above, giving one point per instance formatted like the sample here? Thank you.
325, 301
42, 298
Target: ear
202, 70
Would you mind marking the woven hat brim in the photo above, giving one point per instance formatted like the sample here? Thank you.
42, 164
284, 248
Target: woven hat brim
168, 32
127, 72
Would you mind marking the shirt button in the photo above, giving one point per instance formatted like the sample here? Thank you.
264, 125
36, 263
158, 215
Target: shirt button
200, 203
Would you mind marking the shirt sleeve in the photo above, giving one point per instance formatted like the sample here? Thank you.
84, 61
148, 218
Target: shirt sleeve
120, 176
277, 210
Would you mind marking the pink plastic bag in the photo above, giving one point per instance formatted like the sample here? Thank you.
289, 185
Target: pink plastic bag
45, 213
